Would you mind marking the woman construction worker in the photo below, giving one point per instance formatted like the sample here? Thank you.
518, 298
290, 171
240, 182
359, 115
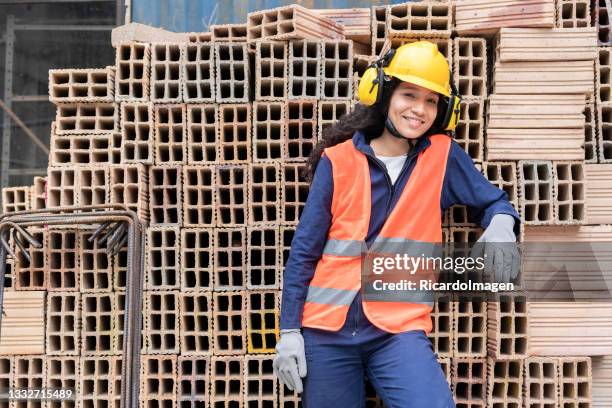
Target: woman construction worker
386, 171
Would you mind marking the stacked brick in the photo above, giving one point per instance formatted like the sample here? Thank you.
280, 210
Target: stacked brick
602, 380
16, 199
478, 17
548, 119
215, 177
62, 320
600, 17
543, 135
543, 114
603, 105
356, 23
291, 22
470, 76
69, 296
544, 130
23, 324
228, 32
573, 13
578, 317
378, 27
413, 21
205, 136
598, 178
426, 18
557, 381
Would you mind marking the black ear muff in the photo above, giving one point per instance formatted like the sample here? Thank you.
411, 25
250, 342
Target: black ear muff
448, 114
442, 112
454, 109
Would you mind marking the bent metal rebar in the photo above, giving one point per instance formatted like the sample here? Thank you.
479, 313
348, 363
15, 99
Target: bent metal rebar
118, 226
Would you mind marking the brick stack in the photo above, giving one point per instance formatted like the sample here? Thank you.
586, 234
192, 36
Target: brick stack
600, 17
526, 122
565, 328
483, 17
205, 136
356, 23
602, 146
293, 22
23, 326
378, 28
598, 193
470, 76
602, 381
573, 13
426, 20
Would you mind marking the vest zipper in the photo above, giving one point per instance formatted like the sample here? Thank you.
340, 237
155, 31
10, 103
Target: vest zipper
391, 185
356, 320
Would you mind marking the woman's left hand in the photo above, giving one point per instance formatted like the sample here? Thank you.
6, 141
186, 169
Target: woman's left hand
498, 247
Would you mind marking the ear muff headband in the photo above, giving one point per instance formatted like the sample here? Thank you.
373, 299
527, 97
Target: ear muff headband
380, 77
384, 61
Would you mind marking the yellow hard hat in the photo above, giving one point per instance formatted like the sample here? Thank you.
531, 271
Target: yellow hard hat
419, 63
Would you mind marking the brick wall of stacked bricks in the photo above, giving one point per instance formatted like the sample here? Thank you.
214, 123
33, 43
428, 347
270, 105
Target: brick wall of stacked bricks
206, 139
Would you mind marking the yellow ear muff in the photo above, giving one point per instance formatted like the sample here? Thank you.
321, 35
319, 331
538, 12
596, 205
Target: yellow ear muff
368, 86
453, 115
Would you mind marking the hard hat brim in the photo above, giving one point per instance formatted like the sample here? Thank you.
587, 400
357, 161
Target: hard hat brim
421, 82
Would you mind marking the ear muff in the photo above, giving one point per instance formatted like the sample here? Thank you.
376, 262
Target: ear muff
368, 86
369, 90
451, 118
448, 110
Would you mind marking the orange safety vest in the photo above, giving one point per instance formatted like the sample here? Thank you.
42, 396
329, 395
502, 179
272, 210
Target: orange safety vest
415, 217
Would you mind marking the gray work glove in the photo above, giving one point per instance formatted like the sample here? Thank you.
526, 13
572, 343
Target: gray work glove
290, 361
498, 247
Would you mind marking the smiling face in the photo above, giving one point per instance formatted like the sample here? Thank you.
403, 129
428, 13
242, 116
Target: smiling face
413, 109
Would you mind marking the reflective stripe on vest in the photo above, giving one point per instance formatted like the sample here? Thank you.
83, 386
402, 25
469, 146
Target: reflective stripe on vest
413, 226
330, 296
401, 246
391, 246
344, 247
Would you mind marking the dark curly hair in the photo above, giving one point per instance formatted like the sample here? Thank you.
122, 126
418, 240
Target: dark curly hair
368, 119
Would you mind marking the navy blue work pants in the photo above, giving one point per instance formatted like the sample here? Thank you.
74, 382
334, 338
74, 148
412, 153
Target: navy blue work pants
402, 367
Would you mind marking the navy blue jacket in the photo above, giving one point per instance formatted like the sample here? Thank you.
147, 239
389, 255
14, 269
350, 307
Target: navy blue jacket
463, 184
